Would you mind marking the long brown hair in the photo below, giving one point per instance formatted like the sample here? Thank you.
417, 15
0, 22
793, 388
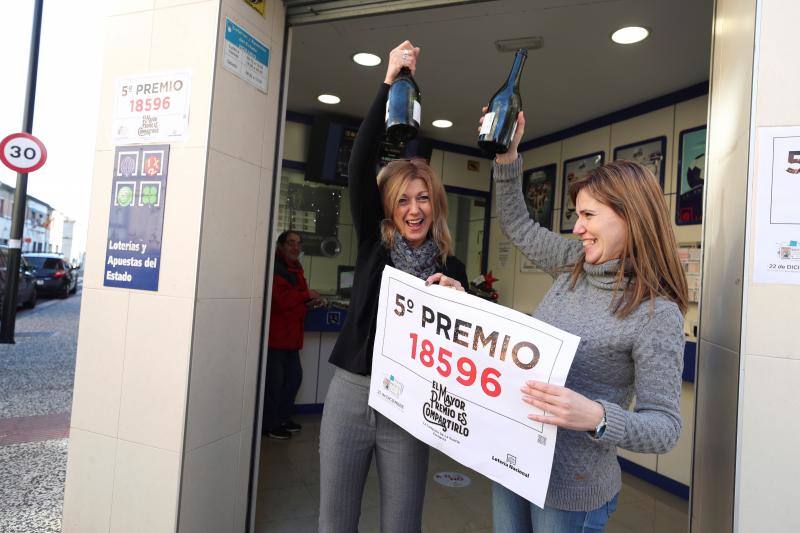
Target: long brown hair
650, 255
392, 181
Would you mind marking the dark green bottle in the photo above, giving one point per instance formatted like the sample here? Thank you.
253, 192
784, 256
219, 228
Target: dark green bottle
500, 121
403, 109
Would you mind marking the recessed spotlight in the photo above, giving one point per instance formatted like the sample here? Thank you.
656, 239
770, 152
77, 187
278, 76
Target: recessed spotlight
630, 35
366, 59
441, 123
329, 99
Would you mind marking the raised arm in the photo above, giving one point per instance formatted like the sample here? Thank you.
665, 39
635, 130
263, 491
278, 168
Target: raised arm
546, 249
365, 201
366, 207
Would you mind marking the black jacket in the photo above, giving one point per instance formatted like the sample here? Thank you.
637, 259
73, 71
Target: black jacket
353, 349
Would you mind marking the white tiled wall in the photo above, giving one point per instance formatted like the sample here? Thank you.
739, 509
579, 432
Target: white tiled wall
768, 402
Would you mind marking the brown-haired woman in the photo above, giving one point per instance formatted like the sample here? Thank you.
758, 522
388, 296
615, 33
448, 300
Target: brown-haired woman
621, 288
400, 219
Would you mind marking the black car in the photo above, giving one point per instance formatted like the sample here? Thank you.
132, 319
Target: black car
26, 290
54, 275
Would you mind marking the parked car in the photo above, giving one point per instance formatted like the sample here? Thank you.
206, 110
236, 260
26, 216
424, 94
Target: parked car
54, 274
26, 290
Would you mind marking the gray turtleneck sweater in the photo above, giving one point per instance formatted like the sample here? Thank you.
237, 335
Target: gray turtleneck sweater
618, 359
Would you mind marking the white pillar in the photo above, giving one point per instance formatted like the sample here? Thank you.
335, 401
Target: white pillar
166, 382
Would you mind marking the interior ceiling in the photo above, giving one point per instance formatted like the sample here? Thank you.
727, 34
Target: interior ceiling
578, 75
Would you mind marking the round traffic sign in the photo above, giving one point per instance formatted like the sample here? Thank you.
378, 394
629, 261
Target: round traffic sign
22, 152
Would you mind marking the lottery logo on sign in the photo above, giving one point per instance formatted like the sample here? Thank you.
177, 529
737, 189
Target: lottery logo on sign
151, 166
127, 163
125, 193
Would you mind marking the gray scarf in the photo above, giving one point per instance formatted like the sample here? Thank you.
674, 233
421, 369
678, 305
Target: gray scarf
419, 262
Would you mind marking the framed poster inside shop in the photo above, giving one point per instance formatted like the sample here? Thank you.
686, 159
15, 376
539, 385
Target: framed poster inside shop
539, 190
649, 153
575, 169
691, 176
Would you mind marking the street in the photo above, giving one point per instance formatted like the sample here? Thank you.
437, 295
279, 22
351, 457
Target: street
36, 380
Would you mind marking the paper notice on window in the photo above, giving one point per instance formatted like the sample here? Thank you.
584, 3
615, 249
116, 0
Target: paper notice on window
777, 209
448, 367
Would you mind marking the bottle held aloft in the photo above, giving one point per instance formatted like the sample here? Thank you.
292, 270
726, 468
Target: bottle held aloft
403, 109
500, 120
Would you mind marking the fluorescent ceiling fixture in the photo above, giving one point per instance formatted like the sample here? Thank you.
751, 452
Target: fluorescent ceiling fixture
329, 99
441, 123
630, 35
366, 59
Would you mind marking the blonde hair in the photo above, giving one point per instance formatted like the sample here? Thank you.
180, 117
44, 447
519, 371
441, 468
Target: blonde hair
392, 182
650, 253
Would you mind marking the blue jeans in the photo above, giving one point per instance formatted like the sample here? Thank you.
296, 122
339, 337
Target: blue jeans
514, 514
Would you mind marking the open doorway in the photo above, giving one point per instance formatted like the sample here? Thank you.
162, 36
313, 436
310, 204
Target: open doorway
583, 96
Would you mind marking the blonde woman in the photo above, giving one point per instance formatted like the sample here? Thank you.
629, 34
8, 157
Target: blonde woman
400, 219
621, 288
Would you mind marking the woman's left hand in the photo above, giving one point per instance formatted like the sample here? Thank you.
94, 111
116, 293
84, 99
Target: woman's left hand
444, 281
563, 407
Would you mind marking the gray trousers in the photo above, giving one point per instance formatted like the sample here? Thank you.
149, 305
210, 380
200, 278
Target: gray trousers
351, 431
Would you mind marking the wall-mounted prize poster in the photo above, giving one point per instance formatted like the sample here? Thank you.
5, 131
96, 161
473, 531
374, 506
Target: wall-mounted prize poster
649, 153
575, 169
539, 190
691, 176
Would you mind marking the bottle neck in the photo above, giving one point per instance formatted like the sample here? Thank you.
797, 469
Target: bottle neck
516, 70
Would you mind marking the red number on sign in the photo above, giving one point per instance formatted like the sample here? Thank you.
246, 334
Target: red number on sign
165, 102
413, 346
426, 354
139, 105
490, 385
467, 370
444, 365
157, 103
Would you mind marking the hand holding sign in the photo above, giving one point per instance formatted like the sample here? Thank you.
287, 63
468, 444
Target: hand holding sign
563, 407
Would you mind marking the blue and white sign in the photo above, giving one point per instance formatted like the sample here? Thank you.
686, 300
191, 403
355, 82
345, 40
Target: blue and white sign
136, 219
245, 56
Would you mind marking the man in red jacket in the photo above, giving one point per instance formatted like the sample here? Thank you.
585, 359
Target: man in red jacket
291, 298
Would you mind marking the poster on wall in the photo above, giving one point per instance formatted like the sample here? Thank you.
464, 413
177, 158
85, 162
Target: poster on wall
151, 108
649, 153
136, 217
691, 176
448, 369
245, 56
777, 236
539, 190
575, 169
258, 5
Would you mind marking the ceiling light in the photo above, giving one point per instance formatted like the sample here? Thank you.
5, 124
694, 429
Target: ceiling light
366, 59
442, 123
630, 35
329, 99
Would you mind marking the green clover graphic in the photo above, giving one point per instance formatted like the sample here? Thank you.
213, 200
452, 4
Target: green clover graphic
149, 195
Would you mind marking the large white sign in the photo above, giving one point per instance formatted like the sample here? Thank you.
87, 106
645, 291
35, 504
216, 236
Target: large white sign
448, 368
777, 245
151, 108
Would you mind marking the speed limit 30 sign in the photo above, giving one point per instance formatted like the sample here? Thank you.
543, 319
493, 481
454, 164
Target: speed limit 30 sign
22, 152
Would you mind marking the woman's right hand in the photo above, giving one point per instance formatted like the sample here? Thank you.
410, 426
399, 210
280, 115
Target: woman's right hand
405, 55
511, 155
